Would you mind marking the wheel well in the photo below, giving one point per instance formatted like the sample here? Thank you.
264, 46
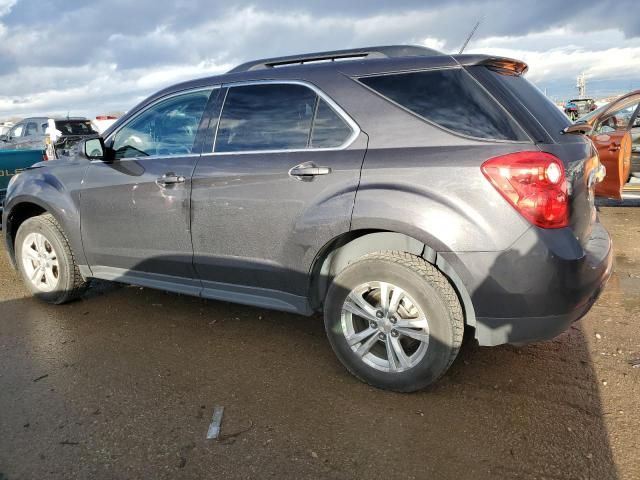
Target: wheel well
19, 214
346, 248
350, 246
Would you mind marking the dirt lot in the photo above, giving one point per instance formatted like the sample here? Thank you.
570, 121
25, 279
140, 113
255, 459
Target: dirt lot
123, 385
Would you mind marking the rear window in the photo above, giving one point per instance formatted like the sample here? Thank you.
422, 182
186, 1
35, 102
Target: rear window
267, 117
519, 89
77, 127
451, 99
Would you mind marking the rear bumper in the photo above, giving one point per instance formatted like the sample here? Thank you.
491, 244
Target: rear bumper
536, 289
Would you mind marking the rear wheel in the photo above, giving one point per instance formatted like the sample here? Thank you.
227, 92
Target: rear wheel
394, 321
46, 262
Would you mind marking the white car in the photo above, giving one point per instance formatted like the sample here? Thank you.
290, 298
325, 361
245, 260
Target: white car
102, 122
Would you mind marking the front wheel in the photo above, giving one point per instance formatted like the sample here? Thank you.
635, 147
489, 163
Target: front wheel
46, 262
394, 321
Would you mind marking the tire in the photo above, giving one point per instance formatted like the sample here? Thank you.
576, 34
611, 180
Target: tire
60, 281
427, 293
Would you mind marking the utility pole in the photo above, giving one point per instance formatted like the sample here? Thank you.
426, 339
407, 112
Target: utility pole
473, 30
581, 85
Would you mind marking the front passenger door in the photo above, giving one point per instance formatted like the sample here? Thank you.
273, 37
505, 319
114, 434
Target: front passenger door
612, 138
135, 211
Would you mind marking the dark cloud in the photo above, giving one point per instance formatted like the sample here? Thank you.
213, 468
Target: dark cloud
75, 40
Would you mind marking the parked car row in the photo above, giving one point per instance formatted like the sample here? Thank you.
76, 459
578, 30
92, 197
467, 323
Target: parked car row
404, 193
578, 107
34, 139
36, 132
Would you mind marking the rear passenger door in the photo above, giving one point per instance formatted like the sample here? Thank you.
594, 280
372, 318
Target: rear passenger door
279, 184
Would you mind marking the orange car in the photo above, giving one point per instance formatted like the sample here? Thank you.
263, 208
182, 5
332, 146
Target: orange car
615, 130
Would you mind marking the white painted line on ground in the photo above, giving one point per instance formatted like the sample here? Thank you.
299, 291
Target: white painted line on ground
216, 422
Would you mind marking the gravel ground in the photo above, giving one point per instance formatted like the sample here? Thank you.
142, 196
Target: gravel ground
123, 383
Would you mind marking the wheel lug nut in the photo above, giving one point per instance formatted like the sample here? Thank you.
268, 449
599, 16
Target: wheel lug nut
379, 314
373, 325
382, 336
394, 320
394, 333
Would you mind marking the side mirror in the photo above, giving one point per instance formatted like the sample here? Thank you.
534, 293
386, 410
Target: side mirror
94, 149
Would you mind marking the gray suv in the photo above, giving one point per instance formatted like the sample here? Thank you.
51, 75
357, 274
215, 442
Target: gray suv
404, 193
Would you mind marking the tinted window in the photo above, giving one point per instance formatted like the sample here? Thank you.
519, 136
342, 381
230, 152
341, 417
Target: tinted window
329, 129
75, 127
266, 117
165, 129
520, 90
451, 99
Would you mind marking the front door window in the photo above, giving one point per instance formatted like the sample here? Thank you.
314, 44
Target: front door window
165, 129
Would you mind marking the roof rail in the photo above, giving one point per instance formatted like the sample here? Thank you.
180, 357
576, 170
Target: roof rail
389, 51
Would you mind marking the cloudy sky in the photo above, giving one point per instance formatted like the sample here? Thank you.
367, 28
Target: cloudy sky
91, 57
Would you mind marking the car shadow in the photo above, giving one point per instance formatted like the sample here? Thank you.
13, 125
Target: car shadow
122, 383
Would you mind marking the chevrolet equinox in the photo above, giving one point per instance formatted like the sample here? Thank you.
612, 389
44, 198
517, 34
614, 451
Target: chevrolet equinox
407, 194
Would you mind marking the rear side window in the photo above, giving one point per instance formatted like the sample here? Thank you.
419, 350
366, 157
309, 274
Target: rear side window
32, 129
451, 99
266, 117
519, 92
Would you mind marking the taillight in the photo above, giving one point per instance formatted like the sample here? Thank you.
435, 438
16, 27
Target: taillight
44, 156
534, 183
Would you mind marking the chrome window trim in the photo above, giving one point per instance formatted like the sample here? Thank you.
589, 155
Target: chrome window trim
151, 105
355, 128
150, 157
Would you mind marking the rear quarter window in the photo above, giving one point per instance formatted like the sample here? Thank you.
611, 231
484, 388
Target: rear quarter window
449, 98
526, 101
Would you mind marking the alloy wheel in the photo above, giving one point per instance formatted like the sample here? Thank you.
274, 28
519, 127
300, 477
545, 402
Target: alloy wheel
385, 327
40, 262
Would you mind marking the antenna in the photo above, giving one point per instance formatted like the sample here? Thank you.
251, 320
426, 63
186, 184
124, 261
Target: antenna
473, 30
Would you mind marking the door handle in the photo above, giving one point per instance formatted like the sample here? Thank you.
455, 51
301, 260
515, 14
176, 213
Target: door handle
170, 179
614, 147
308, 170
